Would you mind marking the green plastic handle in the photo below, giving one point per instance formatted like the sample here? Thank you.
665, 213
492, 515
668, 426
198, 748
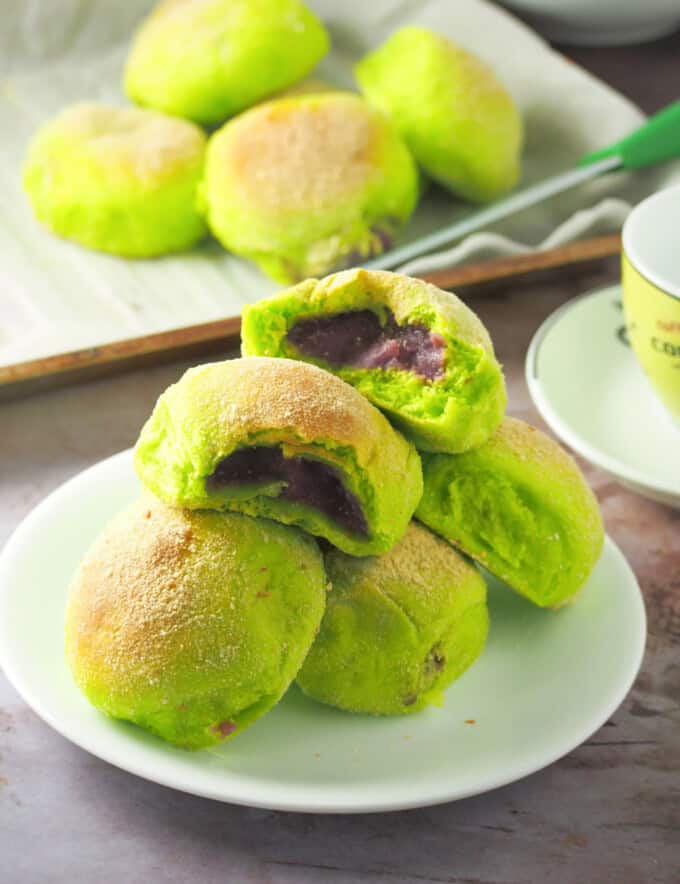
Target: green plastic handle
654, 142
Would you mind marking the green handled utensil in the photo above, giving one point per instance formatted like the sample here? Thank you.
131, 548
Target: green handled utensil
654, 142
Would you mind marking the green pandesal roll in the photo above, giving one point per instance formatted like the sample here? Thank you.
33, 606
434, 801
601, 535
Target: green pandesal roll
453, 113
192, 624
120, 180
520, 506
398, 628
209, 59
416, 352
285, 440
308, 184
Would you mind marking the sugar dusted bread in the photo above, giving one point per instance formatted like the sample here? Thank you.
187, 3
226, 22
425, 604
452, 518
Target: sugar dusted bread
520, 506
210, 59
285, 440
192, 624
308, 184
398, 628
416, 352
453, 112
119, 180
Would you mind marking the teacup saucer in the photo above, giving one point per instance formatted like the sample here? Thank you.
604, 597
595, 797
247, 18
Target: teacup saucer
588, 387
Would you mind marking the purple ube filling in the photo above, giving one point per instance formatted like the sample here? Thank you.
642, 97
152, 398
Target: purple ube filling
357, 339
307, 481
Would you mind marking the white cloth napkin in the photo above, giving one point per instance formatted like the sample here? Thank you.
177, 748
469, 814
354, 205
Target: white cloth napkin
55, 296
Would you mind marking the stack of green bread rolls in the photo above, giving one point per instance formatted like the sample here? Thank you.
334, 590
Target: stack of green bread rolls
311, 511
301, 178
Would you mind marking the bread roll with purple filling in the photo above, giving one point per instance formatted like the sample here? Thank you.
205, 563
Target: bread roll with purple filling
416, 352
285, 440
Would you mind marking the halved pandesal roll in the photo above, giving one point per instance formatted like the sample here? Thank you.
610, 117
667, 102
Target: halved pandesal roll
520, 506
398, 628
285, 440
192, 624
416, 352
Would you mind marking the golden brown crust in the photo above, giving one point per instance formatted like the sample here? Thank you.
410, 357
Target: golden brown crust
303, 152
151, 143
155, 588
132, 593
420, 558
427, 579
258, 394
529, 444
401, 293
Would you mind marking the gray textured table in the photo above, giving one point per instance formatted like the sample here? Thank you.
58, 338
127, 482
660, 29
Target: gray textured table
609, 812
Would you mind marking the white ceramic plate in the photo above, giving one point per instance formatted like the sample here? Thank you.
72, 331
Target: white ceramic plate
591, 391
546, 681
